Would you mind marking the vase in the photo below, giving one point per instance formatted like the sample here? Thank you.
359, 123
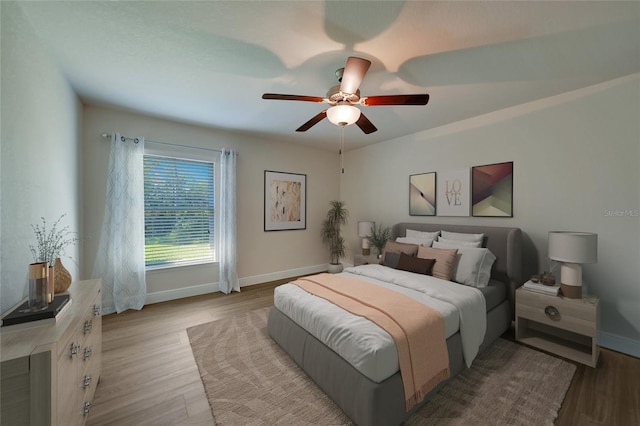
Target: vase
51, 284
62, 277
38, 280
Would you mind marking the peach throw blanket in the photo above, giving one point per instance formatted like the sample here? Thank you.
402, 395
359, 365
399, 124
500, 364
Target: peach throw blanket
417, 330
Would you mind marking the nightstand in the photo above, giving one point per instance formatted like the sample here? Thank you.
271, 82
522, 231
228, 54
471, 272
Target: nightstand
360, 259
563, 326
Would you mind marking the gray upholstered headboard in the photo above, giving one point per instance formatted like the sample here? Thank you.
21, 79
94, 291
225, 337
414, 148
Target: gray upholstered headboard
504, 243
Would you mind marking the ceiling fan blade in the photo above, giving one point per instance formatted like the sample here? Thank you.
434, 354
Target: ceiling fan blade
420, 99
315, 120
365, 125
353, 74
280, 97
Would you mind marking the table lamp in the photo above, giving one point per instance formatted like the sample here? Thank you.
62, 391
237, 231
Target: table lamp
572, 249
364, 230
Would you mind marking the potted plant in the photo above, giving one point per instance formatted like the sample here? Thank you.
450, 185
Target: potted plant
332, 237
379, 237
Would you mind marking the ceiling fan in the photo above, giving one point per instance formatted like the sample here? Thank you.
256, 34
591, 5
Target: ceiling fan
344, 98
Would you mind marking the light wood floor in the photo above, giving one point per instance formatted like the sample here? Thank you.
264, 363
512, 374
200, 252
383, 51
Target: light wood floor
149, 375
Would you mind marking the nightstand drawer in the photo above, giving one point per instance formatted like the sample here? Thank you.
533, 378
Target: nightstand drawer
582, 309
561, 319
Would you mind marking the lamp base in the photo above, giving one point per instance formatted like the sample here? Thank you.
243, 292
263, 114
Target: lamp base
571, 280
571, 291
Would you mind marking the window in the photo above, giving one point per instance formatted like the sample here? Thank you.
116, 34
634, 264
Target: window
179, 213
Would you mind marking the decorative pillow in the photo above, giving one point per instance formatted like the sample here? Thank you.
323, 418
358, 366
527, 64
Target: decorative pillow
391, 260
460, 243
461, 236
419, 241
445, 259
411, 233
394, 247
473, 266
414, 264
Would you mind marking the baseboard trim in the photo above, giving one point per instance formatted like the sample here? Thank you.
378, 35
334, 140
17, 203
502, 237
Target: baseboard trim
280, 275
619, 343
197, 290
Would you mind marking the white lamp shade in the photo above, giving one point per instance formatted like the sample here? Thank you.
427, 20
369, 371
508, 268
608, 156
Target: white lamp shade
343, 115
573, 247
364, 228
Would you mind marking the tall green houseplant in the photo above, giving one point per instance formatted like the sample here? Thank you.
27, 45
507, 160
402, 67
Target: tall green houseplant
332, 236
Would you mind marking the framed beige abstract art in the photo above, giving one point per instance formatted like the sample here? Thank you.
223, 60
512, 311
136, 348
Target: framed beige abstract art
422, 194
285, 201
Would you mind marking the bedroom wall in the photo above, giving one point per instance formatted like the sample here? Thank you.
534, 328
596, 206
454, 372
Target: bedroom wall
575, 168
39, 164
262, 256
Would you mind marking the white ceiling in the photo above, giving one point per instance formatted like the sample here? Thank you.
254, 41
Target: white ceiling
210, 62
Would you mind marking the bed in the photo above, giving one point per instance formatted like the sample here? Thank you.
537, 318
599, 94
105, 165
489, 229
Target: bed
381, 402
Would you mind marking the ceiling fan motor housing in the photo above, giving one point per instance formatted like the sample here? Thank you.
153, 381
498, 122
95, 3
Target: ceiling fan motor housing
335, 96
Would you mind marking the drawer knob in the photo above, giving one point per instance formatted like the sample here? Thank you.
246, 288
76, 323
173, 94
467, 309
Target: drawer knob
552, 312
86, 382
87, 354
87, 408
88, 325
74, 350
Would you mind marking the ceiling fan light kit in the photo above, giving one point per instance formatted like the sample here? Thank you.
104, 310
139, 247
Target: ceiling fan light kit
343, 98
343, 114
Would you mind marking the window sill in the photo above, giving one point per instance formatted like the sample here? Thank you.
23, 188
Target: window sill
170, 266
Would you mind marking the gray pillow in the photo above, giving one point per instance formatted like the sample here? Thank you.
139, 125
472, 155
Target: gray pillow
391, 260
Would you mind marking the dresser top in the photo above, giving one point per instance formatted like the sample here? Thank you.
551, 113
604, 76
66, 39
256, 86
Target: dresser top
21, 342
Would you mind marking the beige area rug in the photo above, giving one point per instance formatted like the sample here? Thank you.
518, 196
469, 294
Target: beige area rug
250, 380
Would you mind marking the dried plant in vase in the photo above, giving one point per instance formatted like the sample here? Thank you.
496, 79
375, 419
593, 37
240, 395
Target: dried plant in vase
50, 245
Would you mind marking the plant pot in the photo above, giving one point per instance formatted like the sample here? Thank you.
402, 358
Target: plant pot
335, 268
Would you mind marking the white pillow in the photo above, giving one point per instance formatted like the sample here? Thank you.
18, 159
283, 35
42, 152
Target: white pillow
461, 236
411, 233
473, 265
419, 241
460, 243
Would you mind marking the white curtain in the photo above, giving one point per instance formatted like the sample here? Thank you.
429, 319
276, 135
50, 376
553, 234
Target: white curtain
120, 258
227, 236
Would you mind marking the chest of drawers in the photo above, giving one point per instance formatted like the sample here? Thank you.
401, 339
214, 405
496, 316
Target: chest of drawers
50, 373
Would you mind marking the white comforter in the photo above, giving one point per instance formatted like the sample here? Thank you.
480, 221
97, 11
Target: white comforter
365, 345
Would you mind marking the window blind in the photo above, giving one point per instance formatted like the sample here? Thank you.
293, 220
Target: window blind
179, 211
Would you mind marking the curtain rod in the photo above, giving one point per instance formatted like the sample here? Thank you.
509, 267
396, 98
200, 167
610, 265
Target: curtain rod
108, 136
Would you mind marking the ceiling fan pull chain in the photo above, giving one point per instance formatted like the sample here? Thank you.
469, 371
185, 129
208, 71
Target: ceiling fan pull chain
342, 148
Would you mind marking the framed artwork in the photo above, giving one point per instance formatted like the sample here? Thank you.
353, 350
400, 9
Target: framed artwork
285, 201
454, 193
422, 194
492, 190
